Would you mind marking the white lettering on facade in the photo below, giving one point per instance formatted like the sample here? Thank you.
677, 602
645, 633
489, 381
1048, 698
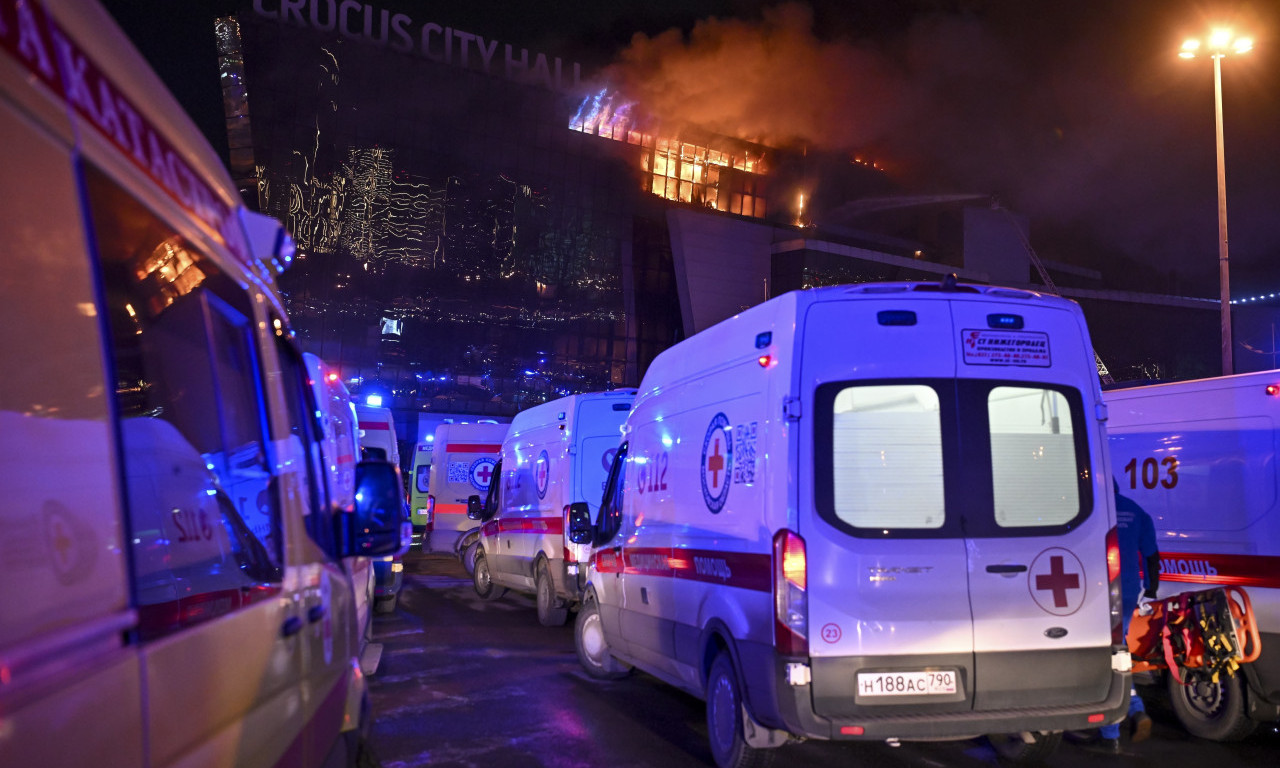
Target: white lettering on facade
516, 69
434, 42
292, 8
404, 42
331, 21
465, 38
486, 53
428, 30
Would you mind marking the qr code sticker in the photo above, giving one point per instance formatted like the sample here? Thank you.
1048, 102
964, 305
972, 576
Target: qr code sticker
744, 453
459, 472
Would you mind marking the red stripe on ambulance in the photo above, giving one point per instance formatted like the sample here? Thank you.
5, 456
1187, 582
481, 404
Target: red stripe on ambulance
1234, 570
744, 570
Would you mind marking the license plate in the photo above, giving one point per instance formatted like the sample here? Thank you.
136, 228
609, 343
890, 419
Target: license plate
921, 683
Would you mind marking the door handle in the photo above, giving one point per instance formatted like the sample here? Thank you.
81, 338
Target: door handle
292, 626
316, 613
1002, 568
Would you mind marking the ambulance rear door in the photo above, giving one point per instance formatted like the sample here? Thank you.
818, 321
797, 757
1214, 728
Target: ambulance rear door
888, 603
1031, 478
597, 434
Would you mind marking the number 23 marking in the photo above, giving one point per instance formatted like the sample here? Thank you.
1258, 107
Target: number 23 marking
1151, 472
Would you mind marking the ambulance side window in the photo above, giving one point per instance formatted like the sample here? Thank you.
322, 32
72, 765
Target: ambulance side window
303, 428
199, 493
610, 521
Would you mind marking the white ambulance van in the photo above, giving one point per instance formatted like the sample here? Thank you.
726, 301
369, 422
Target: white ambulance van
1200, 457
420, 503
172, 587
877, 511
463, 464
378, 432
555, 454
340, 452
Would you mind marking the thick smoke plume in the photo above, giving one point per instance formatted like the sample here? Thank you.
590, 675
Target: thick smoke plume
1080, 117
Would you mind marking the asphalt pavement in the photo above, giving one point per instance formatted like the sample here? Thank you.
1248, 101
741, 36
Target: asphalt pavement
467, 683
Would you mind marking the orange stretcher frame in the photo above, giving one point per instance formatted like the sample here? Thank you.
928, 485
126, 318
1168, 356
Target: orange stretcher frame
1150, 637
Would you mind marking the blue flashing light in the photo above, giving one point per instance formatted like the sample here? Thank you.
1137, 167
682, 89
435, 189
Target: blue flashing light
1005, 322
374, 400
764, 339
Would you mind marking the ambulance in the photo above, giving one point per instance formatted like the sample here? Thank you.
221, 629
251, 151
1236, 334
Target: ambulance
340, 451
464, 459
556, 453
420, 503
876, 511
173, 589
1200, 458
377, 435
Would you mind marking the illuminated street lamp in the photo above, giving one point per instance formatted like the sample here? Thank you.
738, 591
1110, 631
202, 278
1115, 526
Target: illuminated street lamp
1220, 43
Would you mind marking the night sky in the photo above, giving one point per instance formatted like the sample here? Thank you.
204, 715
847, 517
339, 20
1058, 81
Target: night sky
1078, 114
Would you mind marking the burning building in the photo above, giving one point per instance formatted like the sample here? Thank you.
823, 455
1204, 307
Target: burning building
527, 236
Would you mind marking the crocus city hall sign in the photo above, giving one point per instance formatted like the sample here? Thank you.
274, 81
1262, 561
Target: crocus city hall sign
399, 32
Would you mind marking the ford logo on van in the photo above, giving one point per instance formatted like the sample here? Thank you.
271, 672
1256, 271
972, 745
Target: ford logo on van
1055, 633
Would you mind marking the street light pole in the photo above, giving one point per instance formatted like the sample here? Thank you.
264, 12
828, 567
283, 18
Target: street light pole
1224, 281
1220, 42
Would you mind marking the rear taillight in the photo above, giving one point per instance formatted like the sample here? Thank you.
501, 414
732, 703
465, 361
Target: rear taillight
790, 598
1113, 586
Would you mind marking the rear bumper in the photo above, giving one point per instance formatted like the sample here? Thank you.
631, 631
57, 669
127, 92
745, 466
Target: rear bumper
790, 707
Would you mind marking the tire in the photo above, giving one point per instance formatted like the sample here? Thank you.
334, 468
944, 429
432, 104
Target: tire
485, 587
592, 646
386, 604
1213, 711
1014, 749
469, 558
724, 720
549, 615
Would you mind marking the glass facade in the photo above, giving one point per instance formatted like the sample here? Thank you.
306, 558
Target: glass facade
459, 249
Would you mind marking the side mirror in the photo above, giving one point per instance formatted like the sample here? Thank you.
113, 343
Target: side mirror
581, 531
475, 508
380, 524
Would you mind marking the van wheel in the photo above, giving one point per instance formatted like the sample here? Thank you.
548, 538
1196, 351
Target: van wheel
1014, 748
386, 604
724, 720
485, 587
469, 557
548, 614
1214, 711
592, 647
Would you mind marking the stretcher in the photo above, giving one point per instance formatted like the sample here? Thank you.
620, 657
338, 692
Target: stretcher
1196, 636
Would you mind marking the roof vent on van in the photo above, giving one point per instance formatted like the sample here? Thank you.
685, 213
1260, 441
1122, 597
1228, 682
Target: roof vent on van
1010, 293
894, 288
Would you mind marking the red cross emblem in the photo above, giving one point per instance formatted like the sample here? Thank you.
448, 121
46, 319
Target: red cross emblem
482, 472
1056, 580
542, 473
717, 463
